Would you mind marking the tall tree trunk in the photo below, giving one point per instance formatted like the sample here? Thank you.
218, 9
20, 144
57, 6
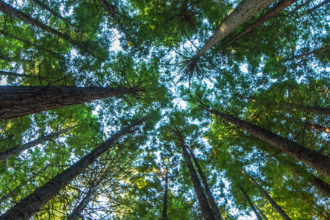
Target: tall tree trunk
310, 109
271, 201
262, 214
20, 186
214, 206
319, 5
5, 58
312, 52
26, 208
271, 13
16, 150
4, 73
8, 9
307, 156
203, 203
318, 127
245, 10
247, 198
17, 101
164, 216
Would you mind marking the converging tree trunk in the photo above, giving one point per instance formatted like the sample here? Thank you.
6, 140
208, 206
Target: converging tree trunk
310, 109
4, 73
319, 6
16, 150
164, 215
271, 13
17, 101
247, 198
203, 203
25, 209
262, 214
20, 186
312, 52
301, 153
318, 127
214, 205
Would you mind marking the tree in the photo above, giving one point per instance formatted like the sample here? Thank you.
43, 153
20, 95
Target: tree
250, 203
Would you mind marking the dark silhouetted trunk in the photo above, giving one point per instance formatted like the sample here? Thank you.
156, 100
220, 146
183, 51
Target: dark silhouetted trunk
245, 10
5, 58
318, 127
213, 204
203, 203
164, 216
26, 208
247, 198
310, 109
312, 52
17, 101
20, 186
4, 73
307, 156
16, 150
261, 213
271, 13
319, 6
8, 9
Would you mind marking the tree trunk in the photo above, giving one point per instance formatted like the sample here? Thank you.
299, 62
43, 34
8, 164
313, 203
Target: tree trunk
262, 214
16, 150
214, 206
4, 73
8, 9
307, 156
26, 208
318, 127
310, 109
5, 58
271, 201
17, 101
271, 13
203, 203
250, 203
20, 186
164, 216
319, 6
245, 10
312, 52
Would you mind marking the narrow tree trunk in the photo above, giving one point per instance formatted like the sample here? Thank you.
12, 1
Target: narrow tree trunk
203, 203
5, 58
245, 10
17, 101
271, 201
250, 203
214, 206
312, 52
319, 6
310, 109
307, 156
8, 9
164, 216
262, 214
16, 150
20, 186
271, 13
4, 73
26, 208
318, 127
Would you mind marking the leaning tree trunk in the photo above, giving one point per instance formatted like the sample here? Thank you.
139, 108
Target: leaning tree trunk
299, 152
214, 206
5, 73
318, 127
310, 109
313, 52
318, 6
16, 150
262, 214
20, 186
245, 10
203, 203
271, 201
247, 198
164, 216
8, 9
25, 209
271, 13
17, 101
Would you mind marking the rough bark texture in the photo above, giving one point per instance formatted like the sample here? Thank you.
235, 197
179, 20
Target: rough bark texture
250, 203
274, 11
17, 101
307, 156
245, 10
203, 203
16, 150
8, 9
25, 209
318, 127
164, 215
319, 6
20, 186
213, 204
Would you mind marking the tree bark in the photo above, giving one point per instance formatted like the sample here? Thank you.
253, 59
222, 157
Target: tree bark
250, 203
245, 10
310, 109
20, 186
262, 214
203, 203
214, 206
299, 152
312, 52
17, 101
8, 9
4, 73
318, 127
26, 208
5, 58
271, 13
319, 6
16, 150
271, 201
164, 216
